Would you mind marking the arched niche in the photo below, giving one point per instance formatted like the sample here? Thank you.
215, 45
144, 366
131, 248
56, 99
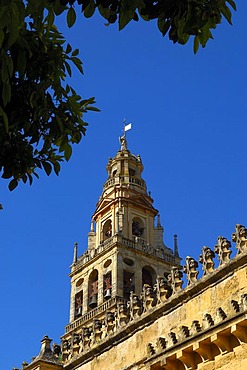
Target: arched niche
93, 289
78, 304
107, 285
138, 228
148, 275
128, 283
107, 230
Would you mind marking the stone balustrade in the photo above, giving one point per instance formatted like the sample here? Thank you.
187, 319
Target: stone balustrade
138, 244
125, 179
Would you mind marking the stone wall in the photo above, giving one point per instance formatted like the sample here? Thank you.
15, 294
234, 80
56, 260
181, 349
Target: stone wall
202, 326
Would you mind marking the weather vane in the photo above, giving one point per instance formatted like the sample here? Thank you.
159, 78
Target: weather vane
122, 139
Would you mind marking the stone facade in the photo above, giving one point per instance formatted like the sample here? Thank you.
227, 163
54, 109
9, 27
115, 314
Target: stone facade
128, 307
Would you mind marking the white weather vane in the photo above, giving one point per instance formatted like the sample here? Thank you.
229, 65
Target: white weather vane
122, 139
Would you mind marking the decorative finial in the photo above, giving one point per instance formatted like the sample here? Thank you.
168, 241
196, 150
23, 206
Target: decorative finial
176, 245
75, 252
158, 220
122, 139
45, 344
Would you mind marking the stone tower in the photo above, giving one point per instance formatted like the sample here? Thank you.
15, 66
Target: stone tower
125, 248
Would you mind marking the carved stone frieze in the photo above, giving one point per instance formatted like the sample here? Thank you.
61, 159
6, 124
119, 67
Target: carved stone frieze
195, 327
135, 306
86, 337
161, 289
240, 238
223, 250
190, 270
96, 330
206, 259
175, 279
110, 322
122, 315
147, 297
207, 321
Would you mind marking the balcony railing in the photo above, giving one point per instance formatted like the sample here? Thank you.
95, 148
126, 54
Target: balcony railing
125, 179
94, 313
137, 243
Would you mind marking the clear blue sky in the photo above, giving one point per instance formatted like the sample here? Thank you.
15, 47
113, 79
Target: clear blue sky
189, 126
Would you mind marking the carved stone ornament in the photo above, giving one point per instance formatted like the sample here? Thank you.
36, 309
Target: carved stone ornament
76, 339
240, 238
66, 345
147, 297
175, 279
122, 314
223, 250
86, 336
77, 343
161, 289
97, 332
190, 269
56, 349
134, 306
206, 259
109, 322
66, 349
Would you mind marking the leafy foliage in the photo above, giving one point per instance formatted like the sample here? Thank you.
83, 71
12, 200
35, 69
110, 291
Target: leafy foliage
40, 115
179, 19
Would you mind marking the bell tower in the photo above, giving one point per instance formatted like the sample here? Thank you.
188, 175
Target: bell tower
125, 244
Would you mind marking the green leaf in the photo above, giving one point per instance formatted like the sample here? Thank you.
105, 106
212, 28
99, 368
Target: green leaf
71, 17
90, 9
21, 62
105, 12
227, 13
57, 167
68, 68
78, 63
67, 152
30, 179
75, 53
6, 93
14, 29
93, 109
13, 184
164, 25
47, 167
60, 124
5, 119
59, 8
68, 49
232, 3
125, 17
50, 20
196, 45
1, 37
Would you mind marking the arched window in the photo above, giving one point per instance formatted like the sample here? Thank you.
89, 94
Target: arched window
78, 304
93, 289
107, 230
137, 227
132, 172
107, 285
128, 284
148, 276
